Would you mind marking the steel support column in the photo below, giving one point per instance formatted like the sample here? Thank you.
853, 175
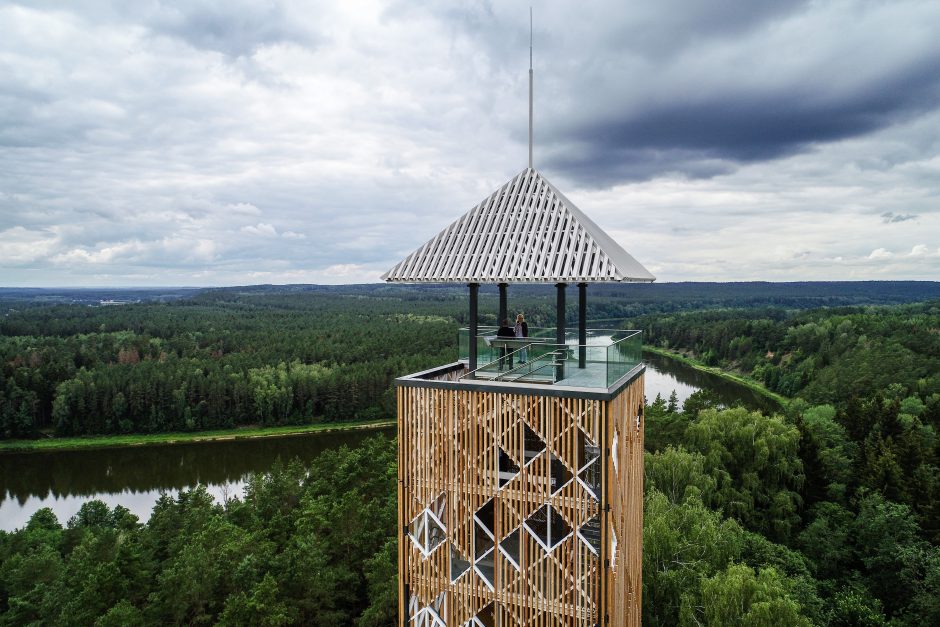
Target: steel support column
503, 306
560, 330
474, 324
582, 324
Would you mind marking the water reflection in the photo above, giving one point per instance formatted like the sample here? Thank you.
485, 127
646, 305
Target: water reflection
663, 375
134, 477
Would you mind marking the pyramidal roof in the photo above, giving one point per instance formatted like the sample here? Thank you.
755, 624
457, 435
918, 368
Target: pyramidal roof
525, 232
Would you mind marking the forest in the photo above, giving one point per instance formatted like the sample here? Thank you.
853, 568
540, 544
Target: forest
273, 355
217, 360
824, 513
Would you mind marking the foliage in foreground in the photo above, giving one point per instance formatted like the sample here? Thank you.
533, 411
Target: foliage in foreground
318, 546
302, 547
720, 486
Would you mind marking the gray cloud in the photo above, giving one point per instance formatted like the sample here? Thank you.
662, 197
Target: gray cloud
739, 127
235, 28
230, 143
889, 216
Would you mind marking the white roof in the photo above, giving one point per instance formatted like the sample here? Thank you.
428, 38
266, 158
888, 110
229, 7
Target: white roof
525, 232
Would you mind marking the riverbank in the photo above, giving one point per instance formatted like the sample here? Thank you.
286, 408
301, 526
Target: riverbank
747, 382
139, 439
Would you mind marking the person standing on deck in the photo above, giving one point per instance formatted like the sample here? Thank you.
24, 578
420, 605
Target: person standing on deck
505, 333
522, 331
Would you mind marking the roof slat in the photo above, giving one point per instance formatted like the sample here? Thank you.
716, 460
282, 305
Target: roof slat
526, 231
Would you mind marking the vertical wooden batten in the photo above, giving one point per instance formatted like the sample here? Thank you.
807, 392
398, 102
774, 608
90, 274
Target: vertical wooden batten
451, 438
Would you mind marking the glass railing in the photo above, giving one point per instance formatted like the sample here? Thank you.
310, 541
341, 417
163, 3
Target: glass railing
605, 357
623, 355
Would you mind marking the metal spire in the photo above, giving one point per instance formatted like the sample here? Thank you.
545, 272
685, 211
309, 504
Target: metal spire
530, 87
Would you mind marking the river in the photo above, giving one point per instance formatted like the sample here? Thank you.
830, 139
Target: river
135, 477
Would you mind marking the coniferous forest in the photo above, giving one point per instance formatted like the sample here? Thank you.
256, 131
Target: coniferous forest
826, 512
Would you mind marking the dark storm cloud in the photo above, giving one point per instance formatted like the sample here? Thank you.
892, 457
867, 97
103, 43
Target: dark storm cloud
626, 123
666, 27
697, 87
701, 138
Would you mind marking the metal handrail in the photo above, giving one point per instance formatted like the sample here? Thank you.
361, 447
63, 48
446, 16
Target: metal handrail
552, 363
554, 353
633, 332
504, 357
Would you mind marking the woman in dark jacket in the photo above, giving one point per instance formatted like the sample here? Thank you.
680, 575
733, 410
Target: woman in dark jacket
521, 331
505, 332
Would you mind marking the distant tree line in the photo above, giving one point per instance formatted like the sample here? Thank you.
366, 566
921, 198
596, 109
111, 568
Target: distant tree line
822, 355
213, 362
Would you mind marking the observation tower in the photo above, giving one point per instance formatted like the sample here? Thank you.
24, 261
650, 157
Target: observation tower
520, 495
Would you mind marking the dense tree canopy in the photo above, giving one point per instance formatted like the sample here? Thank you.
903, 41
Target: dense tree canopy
826, 514
303, 546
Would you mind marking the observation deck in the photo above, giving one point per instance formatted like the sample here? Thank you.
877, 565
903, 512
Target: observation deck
598, 367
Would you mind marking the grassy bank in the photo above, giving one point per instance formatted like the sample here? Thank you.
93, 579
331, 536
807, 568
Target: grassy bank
747, 382
138, 439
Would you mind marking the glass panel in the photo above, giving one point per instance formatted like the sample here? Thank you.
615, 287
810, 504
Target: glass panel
486, 567
608, 356
483, 526
487, 616
560, 475
590, 533
436, 534
482, 542
510, 547
623, 355
537, 525
532, 442
487, 515
558, 527
588, 451
458, 564
591, 479
507, 468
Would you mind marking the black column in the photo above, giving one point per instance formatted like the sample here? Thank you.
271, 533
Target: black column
503, 308
582, 324
560, 330
474, 325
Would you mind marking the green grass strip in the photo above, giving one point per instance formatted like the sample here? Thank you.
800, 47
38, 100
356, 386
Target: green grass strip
139, 439
747, 382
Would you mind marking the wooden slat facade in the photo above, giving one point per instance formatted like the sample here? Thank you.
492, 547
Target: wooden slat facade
450, 443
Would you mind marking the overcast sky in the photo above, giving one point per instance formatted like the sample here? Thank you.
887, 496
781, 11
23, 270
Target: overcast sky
248, 141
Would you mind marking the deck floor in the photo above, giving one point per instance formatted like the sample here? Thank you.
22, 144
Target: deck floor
593, 375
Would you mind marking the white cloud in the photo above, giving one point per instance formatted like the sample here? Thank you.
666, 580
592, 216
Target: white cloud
21, 246
261, 228
218, 143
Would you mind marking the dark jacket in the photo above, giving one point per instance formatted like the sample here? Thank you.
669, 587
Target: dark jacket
506, 332
525, 329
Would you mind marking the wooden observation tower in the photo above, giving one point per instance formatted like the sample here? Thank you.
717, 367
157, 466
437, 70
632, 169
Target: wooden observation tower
520, 464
